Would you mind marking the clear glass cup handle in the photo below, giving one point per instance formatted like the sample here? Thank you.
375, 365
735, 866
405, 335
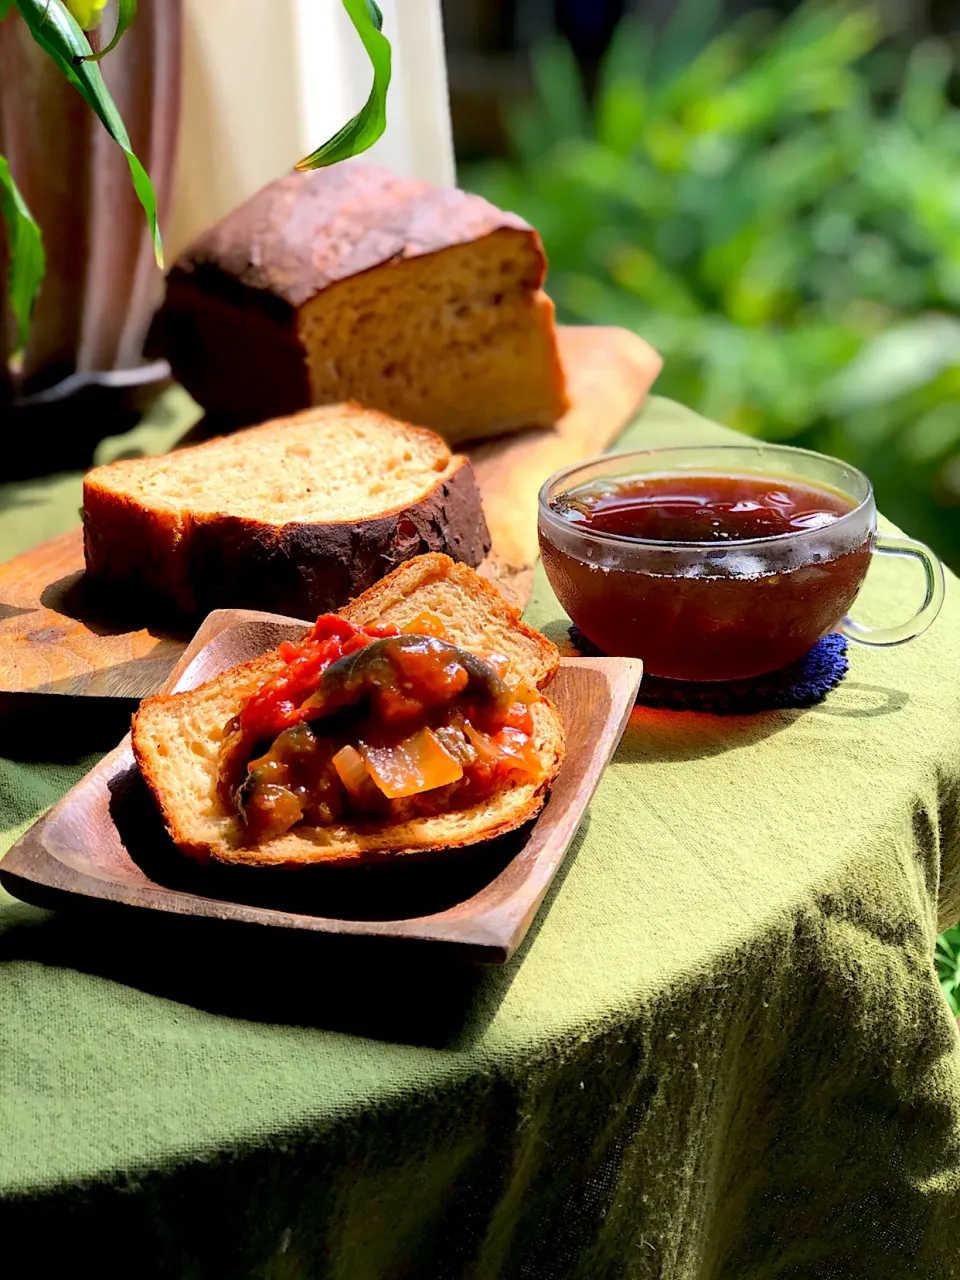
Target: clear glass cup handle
915, 626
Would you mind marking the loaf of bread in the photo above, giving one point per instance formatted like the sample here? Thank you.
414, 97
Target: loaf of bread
295, 516
352, 283
177, 738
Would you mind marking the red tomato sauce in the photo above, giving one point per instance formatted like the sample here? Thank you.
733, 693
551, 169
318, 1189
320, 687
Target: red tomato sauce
417, 749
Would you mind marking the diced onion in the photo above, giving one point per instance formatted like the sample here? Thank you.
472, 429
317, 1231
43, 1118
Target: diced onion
520, 749
352, 770
487, 750
418, 763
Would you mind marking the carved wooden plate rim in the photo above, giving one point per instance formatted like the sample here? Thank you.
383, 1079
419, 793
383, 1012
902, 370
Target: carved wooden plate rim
91, 845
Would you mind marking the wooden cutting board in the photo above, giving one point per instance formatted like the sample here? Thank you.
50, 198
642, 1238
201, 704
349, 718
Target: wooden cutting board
53, 639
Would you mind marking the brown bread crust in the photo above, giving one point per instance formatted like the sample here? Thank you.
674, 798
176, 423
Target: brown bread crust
236, 356
223, 561
302, 233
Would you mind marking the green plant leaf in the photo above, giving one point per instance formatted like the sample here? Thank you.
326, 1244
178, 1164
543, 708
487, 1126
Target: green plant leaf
56, 31
25, 250
5, 7
126, 12
560, 85
951, 997
775, 207
690, 25
363, 130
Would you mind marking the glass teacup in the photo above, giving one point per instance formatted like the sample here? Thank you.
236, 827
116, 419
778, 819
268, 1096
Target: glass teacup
695, 610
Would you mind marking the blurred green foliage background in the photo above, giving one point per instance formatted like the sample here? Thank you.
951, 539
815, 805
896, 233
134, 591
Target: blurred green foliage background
776, 207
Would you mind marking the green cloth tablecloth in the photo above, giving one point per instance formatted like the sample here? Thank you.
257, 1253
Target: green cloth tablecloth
722, 1054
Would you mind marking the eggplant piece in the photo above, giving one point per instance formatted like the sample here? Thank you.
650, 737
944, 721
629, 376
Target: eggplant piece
371, 669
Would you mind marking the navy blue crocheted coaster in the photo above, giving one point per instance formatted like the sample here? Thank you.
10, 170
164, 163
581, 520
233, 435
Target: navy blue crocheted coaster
803, 683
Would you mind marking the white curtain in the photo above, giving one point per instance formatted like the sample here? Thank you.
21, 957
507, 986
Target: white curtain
266, 81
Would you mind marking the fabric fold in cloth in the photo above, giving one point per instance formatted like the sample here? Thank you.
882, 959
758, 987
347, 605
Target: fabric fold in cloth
722, 1053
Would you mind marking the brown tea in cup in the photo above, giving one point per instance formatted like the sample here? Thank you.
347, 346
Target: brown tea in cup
716, 572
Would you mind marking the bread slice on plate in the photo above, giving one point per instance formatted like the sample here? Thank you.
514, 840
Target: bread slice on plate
177, 738
294, 517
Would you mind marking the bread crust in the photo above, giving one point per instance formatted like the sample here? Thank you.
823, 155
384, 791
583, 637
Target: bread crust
210, 561
305, 231
235, 349
411, 577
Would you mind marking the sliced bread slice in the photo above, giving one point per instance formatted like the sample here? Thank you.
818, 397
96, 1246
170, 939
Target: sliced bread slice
473, 612
294, 516
177, 737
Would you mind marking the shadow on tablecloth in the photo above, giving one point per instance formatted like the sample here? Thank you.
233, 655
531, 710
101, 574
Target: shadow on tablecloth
396, 990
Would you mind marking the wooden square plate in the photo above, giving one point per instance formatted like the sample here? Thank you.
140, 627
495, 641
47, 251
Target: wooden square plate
104, 840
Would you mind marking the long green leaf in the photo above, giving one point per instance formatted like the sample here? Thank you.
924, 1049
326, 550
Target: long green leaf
56, 31
126, 12
369, 123
25, 252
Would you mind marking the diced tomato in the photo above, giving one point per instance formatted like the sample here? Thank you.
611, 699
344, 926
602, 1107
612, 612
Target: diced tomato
519, 748
381, 630
358, 641
507, 751
327, 626
418, 763
276, 705
519, 716
426, 624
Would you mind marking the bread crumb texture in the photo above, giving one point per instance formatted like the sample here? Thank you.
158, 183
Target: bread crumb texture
340, 462
453, 340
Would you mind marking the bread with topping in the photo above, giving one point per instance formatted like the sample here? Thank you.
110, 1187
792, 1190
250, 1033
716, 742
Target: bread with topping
353, 283
177, 737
